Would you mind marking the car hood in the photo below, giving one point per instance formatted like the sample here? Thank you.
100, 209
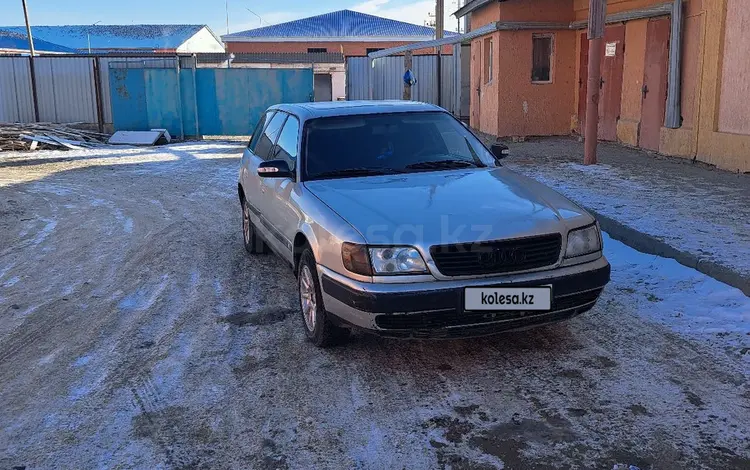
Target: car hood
443, 207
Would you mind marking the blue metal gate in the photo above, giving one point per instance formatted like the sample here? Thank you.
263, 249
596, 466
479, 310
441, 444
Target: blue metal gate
203, 101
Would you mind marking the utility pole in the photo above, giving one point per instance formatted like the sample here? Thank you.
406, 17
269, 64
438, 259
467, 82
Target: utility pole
597, 14
32, 70
226, 8
88, 36
439, 28
28, 28
458, 20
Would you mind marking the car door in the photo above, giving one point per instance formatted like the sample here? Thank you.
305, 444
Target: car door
283, 214
258, 151
249, 178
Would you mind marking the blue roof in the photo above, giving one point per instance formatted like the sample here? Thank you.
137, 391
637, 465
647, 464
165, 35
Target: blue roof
18, 41
108, 37
339, 24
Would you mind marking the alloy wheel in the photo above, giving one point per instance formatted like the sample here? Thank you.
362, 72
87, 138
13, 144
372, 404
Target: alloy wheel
308, 298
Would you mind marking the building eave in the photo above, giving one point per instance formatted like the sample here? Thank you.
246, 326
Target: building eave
459, 38
471, 6
36, 51
339, 39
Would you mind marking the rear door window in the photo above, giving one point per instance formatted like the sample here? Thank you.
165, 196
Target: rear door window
264, 119
286, 147
269, 135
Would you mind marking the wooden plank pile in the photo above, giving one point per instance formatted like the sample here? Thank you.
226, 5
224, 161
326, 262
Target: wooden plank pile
46, 135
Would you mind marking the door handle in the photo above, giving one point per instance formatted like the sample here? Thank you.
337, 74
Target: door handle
644, 91
601, 83
263, 188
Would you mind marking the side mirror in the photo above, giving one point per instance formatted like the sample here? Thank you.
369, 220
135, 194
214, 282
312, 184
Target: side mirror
499, 150
275, 169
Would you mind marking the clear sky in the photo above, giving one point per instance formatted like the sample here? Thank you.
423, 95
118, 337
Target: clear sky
211, 12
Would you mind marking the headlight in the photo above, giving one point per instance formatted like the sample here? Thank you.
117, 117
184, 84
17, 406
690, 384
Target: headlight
397, 260
369, 261
583, 241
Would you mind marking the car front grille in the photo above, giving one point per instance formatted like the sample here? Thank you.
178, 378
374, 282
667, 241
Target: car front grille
497, 257
561, 307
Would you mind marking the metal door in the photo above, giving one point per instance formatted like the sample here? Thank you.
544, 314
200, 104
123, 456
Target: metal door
323, 87
583, 83
654, 89
611, 81
204, 101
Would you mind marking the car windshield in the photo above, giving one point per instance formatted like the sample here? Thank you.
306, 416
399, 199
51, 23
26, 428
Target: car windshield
364, 145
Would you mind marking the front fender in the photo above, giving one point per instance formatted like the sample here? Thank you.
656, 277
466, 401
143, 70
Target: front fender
325, 232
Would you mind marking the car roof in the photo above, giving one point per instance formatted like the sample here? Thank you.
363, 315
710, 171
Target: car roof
306, 111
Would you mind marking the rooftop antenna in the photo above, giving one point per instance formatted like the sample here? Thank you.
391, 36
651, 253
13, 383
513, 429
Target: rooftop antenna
259, 18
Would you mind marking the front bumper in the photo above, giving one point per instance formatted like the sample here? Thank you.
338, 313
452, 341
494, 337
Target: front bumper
436, 309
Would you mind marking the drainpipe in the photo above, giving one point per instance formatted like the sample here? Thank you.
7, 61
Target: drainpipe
673, 119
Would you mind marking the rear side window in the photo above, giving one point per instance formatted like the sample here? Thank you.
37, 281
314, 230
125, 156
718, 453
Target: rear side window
258, 129
286, 147
268, 136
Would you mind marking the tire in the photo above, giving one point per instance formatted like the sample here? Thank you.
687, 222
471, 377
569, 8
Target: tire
316, 322
250, 238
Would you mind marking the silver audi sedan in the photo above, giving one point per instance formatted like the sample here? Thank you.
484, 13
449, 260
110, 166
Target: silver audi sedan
396, 219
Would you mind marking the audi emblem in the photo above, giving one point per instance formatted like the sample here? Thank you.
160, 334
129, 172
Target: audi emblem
501, 256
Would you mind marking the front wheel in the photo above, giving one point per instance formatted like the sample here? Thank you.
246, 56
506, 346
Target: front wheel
253, 243
318, 326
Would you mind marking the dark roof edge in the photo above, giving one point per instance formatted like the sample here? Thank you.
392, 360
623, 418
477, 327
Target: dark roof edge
471, 6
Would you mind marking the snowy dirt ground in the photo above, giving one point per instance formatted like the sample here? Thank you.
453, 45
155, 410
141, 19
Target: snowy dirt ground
136, 332
692, 208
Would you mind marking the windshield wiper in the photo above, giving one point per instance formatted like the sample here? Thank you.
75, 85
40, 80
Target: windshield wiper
357, 172
428, 165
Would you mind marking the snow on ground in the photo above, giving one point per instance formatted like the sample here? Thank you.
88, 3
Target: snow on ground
155, 341
690, 207
19, 167
681, 298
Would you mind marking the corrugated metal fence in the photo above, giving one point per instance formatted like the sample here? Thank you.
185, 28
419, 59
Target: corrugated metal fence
65, 89
388, 81
66, 86
16, 103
